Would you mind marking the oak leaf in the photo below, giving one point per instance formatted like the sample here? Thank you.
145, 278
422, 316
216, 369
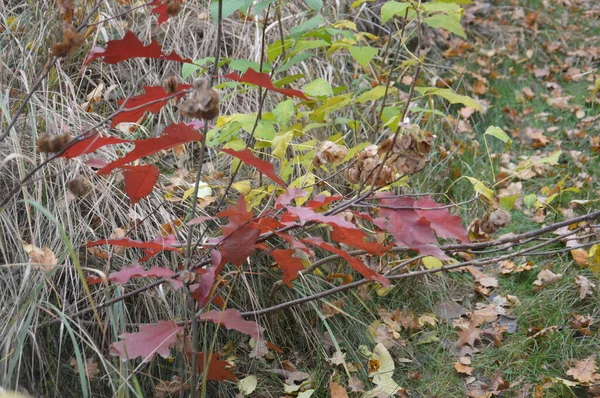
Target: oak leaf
264, 80
149, 340
584, 371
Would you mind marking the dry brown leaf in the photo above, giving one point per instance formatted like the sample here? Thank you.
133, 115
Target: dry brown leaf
546, 277
90, 369
586, 287
355, 384
469, 336
584, 371
42, 258
337, 391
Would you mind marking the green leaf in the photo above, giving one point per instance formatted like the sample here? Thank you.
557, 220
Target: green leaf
497, 132
318, 88
188, 70
449, 22
456, 1
283, 112
450, 96
363, 55
315, 5
391, 9
374, 94
242, 65
448, 8
508, 202
312, 23
296, 59
229, 7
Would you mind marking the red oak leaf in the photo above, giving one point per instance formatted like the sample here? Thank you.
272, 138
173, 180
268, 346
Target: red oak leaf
353, 261
151, 339
289, 264
201, 292
217, 369
153, 100
139, 181
90, 144
263, 166
239, 245
160, 8
232, 319
239, 236
264, 80
137, 271
151, 248
286, 198
173, 135
343, 231
130, 47
445, 225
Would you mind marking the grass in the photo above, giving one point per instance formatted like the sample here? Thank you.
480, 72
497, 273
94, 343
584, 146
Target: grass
36, 356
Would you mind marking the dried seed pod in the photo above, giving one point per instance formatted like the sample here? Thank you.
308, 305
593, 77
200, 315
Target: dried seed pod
329, 152
203, 103
52, 144
78, 187
352, 174
71, 39
385, 146
499, 218
170, 84
173, 7
189, 278
60, 49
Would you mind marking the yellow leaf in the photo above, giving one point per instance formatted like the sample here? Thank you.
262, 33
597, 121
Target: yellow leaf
280, 144
242, 186
431, 262
594, 259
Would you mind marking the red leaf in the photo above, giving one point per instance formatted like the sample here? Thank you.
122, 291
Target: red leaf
239, 245
201, 293
353, 261
263, 166
152, 97
445, 225
130, 47
216, 368
139, 181
160, 8
137, 271
264, 80
286, 198
90, 144
343, 231
232, 319
151, 339
173, 135
151, 248
407, 227
289, 264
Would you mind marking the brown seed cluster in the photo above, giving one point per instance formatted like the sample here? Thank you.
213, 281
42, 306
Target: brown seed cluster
406, 155
52, 144
482, 228
78, 187
409, 151
203, 102
71, 39
189, 278
170, 84
329, 152
173, 7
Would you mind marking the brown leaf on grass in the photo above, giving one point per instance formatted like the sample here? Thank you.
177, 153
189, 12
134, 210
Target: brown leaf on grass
586, 287
462, 366
469, 336
449, 310
528, 93
546, 277
330, 310
337, 391
355, 384
580, 256
171, 388
42, 258
90, 367
584, 371
481, 278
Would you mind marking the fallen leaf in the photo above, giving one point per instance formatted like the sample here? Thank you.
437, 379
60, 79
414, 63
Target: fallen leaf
584, 371
585, 286
337, 391
546, 277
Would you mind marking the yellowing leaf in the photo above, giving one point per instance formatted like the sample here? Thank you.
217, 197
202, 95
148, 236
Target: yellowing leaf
481, 188
431, 262
363, 54
451, 96
242, 186
307, 184
497, 132
280, 144
374, 94
247, 385
594, 259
